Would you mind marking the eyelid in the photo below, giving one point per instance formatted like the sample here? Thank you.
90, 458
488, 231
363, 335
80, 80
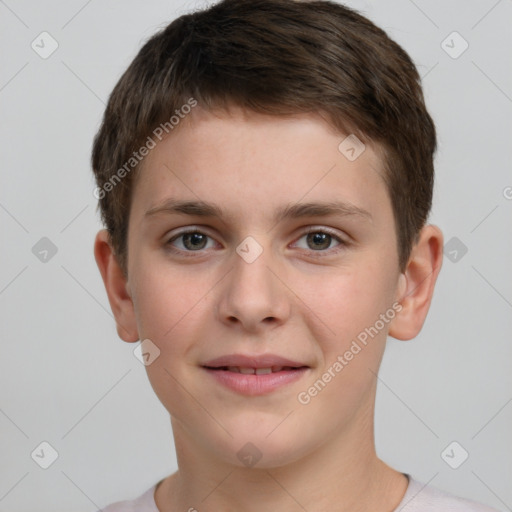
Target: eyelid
325, 229
189, 229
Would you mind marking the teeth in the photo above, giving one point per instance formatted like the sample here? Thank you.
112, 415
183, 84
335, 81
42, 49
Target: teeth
257, 371
262, 371
247, 370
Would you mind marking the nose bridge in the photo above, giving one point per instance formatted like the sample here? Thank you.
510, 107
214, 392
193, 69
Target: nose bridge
252, 294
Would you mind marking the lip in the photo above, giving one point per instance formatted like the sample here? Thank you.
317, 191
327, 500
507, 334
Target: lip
260, 361
253, 384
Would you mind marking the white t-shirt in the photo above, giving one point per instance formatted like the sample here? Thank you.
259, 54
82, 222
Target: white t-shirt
417, 498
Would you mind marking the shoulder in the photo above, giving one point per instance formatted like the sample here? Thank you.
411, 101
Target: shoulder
144, 503
425, 498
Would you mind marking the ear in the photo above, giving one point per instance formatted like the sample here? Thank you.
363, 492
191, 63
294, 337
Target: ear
116, 285
416, 286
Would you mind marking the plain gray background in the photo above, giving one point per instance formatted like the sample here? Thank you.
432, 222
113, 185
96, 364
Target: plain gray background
66, 377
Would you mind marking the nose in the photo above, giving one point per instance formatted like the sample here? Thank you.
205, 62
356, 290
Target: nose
253, 296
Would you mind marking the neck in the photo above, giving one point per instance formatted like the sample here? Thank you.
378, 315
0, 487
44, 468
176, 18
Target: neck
343, 473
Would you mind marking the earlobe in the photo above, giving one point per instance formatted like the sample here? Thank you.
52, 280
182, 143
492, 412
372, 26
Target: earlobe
416, 286
117, 288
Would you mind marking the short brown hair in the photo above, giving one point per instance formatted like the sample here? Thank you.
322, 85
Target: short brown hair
276, 57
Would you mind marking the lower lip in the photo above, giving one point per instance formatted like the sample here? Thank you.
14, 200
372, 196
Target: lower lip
252, 384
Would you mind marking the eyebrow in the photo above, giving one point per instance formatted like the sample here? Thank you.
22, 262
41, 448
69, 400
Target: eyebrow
290, 211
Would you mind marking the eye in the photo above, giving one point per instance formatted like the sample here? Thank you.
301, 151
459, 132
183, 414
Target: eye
191, 241
320, 240
317, 240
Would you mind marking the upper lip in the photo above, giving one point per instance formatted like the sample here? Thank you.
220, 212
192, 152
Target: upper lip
246, 361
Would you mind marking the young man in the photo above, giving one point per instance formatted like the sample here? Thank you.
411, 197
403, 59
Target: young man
265, 174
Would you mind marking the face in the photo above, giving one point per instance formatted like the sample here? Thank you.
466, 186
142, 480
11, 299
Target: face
259, 257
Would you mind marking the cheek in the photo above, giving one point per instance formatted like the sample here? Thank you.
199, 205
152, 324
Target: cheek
165, 304
167, 309
349, 302
351, 306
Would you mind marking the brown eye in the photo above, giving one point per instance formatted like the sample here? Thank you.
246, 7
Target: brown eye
194, 241
190, 241
318, 241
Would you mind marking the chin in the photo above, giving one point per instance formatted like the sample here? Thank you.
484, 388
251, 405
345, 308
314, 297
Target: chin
256, 448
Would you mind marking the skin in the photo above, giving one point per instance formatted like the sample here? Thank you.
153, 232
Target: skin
295, 300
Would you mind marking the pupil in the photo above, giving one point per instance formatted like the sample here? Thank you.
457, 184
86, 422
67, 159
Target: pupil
319, 238
195, 240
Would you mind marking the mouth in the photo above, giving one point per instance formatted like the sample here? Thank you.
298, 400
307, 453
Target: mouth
254, 375
255, 371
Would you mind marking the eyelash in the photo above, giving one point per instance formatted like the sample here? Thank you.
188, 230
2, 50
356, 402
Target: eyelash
312, 230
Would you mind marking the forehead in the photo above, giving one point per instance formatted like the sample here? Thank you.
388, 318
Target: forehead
247, 162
